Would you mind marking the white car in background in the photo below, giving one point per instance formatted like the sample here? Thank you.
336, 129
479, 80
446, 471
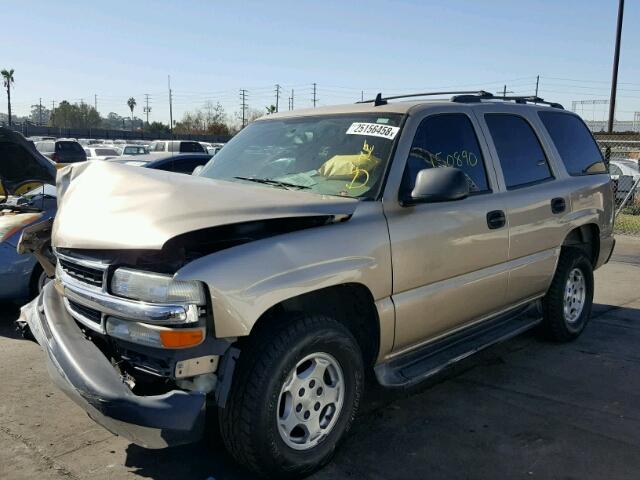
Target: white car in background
624, 175
102, 152
133, 149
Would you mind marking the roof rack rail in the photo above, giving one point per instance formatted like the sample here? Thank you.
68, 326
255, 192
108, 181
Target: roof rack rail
379, 100
517, 99
532, 99
465, 96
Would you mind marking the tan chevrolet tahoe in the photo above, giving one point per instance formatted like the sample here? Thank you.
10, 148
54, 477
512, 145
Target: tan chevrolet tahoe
392, 236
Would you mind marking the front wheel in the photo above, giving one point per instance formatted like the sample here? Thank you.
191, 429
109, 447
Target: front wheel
294, 396
567, 305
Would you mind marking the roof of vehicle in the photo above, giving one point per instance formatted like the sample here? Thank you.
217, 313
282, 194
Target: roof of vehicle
383, 105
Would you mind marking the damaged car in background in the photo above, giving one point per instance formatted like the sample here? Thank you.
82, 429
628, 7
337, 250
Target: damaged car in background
316, 246
27, 196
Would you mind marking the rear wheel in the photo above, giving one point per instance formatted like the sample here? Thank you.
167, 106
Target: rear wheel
567, 305
295, 393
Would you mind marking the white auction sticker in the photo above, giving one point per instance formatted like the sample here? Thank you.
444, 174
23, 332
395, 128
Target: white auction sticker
373, 129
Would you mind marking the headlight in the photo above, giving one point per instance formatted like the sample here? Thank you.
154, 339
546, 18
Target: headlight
154, 336
155, 287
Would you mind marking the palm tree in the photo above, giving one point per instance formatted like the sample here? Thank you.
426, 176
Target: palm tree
132, 104
7, 79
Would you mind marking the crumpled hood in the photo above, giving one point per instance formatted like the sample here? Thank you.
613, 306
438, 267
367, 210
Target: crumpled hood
104, 205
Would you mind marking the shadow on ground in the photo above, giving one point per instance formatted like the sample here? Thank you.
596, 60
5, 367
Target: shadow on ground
9, 313
525, 408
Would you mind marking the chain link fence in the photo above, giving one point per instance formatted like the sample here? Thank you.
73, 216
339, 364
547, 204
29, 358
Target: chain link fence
622, 153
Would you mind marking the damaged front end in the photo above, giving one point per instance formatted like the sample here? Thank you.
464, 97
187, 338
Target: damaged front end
143, 369
88, 377
125, 338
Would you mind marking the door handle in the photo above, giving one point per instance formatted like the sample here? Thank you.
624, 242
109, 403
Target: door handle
496, 219
558, 205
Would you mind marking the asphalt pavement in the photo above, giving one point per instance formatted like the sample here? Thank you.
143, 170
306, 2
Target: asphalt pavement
523, 409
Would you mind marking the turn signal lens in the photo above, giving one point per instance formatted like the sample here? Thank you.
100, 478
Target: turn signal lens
154, 336
181, 338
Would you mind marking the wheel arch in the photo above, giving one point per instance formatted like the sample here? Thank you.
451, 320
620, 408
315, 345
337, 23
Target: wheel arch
587, 238
352, 304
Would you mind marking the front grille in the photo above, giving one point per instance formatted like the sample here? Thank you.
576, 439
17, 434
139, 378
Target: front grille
82, 273
86, 312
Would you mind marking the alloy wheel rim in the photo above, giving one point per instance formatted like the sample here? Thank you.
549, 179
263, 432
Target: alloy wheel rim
310, 401
575, 294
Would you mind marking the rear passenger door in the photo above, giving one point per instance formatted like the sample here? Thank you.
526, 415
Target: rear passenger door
534, 201
449, 266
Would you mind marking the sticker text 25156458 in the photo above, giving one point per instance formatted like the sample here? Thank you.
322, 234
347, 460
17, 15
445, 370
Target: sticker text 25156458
373, 129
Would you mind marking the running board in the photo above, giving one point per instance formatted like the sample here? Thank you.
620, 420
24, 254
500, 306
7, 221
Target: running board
417, 365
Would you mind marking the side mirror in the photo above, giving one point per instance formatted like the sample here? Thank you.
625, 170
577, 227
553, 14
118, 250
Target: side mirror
197, 170
438, 185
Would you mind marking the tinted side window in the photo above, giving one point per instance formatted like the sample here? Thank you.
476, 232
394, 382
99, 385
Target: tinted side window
521, 156
447, 140
191, 147
577, 148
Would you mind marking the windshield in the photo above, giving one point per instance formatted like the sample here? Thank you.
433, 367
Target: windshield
343, 155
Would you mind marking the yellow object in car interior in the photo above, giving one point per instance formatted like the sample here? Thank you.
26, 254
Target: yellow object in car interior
351, 166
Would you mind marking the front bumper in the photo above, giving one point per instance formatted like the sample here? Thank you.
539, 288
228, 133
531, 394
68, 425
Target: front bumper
81, 370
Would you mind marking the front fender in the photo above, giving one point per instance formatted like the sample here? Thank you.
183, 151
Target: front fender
247, 280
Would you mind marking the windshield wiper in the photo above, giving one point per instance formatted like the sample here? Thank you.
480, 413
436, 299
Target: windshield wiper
271, 181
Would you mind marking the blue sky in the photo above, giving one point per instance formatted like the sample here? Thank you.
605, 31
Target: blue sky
77, 49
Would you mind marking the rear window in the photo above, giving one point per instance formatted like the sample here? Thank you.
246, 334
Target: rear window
103, 152
133, 150
191, 147
577, 148
46, 147
519, 151
74, 147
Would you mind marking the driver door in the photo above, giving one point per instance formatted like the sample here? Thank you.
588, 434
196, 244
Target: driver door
449, 266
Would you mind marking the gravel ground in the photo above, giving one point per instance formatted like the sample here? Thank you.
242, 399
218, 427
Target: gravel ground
523, 409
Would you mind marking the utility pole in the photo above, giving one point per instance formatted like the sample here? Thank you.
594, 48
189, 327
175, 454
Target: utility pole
505, 91
277, 97
292, 99
147, 109
95, 102
315, 99
616, 61
40, 112
243, 106
170, 106
537, 84
362, 96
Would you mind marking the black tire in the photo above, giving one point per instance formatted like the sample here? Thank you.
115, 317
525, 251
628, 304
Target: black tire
555, 325
248, 423
35, 282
